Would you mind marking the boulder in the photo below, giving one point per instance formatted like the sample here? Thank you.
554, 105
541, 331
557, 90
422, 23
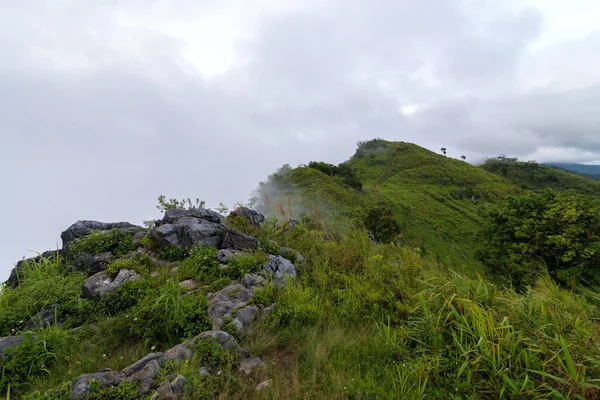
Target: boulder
225, 302
91, 265
279, 269
81, 387
228, 343
245, 317
83, 228
9, 342
254, 217
102, 283
48, 316
199, 227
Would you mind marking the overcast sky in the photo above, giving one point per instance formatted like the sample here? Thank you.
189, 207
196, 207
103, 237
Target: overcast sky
106, 104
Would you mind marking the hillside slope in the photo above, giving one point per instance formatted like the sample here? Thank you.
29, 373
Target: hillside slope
534, 176
437, 201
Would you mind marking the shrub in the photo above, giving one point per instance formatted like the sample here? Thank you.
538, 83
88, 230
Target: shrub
239, 265
343, 171
201, 265
557, 231
165, 316
140, 263
381, 221
31, 358
116, 241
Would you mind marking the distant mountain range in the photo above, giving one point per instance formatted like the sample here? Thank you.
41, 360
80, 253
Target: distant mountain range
589, 171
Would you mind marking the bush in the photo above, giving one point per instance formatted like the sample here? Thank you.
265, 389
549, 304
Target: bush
32, 358
201, 265
343, 171
140, 263
381, 221
166, 316
559, 232
116, 241
239, 265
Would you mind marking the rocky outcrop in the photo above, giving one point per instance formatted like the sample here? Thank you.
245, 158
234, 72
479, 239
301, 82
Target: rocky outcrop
254, 217
145, 371
279, 269
199, 227
90, 264
83, 228
48, 316
102, 283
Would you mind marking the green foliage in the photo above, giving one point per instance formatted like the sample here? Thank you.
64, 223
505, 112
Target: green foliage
164, 204
139, 262
201, 265
35, 356
239, 265
124, 391
533, 176
43, 283
343, 171
211, 355
116, 241
170, 252
381, 221
165, 315
559, 232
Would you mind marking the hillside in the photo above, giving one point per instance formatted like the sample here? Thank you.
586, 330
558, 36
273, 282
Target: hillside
437, 201
534, 176
304, 303
578, 168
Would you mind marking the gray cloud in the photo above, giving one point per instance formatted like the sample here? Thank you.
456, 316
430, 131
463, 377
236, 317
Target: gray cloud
103, 108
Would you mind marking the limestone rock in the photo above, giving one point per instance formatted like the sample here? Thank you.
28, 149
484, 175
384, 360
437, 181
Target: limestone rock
102, 283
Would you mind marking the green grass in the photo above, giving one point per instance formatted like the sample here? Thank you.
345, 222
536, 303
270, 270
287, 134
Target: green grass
537, 177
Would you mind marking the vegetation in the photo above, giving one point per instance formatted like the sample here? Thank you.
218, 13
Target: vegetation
347, 174
557, 232
537, 177
415, 316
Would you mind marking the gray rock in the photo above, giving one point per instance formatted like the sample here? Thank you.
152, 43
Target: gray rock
250, 281
288, 253
279, 269
48, 316
233, 239
247, 365
141, 363
174, 215
203, 371
145, 377
254, 217
225, 255
101, 283
188, 284
227, 342
9, 342
164, 392
264, 385
178, 383
181, 352
245, 317
81, 387
83, 228
91, 265
224, 302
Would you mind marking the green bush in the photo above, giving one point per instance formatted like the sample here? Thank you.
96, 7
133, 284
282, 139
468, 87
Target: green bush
116, 241
557, 231
381, 221
140, 263
201, 265
170, 252
124, 391
165, 315
343, 171
32, 358
239, 265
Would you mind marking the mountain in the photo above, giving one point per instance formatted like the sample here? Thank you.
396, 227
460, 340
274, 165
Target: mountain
357, 280
437, 201
534, 176
580, 168
587, 171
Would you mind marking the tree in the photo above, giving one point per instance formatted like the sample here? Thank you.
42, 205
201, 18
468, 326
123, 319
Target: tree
557, 231
463, 158
443, 149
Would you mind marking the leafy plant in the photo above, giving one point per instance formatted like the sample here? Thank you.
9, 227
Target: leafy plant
164, 204
116, 241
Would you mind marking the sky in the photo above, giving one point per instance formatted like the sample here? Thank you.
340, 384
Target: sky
106, 104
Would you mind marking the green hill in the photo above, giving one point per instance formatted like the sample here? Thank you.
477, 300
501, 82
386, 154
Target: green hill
302, 303
437, 201
534, 176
